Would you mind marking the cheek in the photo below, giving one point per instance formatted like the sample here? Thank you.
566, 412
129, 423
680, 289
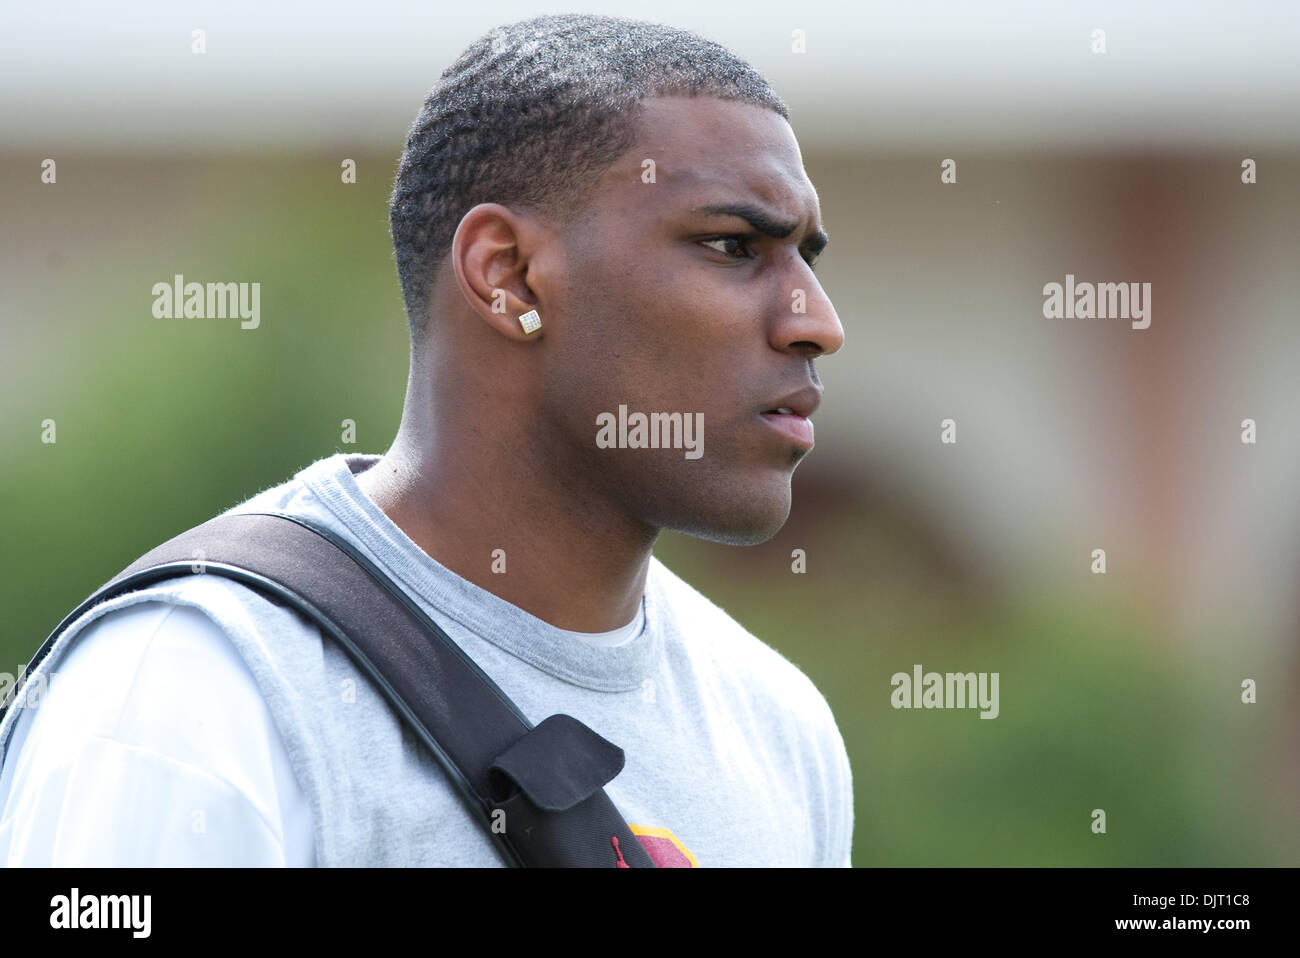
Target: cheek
653, 336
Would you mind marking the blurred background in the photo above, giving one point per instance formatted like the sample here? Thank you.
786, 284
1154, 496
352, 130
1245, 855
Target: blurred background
1119, 691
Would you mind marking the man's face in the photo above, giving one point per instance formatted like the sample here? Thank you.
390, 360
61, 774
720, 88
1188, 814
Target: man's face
668, 307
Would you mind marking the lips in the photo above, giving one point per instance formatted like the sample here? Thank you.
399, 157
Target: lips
789, 415
802, 403
797, 429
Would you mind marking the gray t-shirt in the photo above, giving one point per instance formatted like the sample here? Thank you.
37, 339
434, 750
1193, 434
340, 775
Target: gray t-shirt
733, 756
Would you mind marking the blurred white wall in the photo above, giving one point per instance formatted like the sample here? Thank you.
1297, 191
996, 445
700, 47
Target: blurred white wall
877, 75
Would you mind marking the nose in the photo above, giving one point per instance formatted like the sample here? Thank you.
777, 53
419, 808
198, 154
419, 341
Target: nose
806, 320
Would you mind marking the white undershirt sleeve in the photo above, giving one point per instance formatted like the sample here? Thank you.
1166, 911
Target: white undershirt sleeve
151, 746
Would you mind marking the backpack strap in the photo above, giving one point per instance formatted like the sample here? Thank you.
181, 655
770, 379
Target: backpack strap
537, 790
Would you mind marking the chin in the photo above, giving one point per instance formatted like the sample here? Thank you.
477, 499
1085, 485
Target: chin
733, 537
737, 521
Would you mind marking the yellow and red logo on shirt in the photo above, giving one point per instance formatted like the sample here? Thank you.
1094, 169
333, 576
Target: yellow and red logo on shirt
663, 847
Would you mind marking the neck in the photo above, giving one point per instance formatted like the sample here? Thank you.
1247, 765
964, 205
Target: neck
463, 485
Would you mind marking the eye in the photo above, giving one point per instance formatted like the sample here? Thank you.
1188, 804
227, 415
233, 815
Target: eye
743, 242
733, 238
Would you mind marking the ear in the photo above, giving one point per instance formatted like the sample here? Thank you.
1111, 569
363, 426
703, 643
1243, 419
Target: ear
492, 256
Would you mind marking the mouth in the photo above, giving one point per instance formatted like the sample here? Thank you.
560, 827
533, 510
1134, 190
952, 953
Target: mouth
794, 427
790, 415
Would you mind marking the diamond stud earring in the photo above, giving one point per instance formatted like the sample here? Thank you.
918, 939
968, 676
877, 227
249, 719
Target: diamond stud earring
530, 321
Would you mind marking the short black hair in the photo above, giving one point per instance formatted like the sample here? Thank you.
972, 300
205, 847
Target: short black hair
531, 115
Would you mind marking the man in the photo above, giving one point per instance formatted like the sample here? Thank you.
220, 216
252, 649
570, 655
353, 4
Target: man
593, 219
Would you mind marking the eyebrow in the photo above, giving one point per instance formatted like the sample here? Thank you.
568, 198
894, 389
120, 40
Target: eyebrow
765, 222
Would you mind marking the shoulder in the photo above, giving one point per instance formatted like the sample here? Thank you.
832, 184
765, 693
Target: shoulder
158, 677
232, 652
117, 652
149, 709
154, 657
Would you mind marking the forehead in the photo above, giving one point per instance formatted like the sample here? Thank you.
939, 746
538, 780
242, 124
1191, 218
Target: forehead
710, 150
